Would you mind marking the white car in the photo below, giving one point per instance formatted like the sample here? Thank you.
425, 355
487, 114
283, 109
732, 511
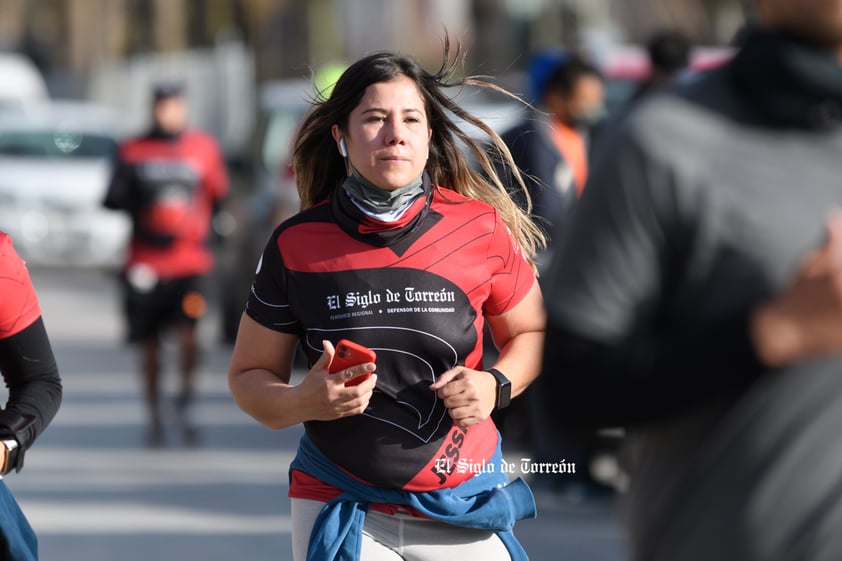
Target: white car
22, 82
56, 160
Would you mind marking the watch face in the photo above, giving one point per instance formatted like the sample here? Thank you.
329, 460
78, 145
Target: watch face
504, 388
505, 394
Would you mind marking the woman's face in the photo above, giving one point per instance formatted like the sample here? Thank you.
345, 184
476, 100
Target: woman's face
388, 135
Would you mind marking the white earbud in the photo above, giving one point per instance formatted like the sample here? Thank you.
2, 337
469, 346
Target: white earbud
343, 150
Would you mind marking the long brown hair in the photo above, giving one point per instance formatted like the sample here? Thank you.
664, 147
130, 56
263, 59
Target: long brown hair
319, 168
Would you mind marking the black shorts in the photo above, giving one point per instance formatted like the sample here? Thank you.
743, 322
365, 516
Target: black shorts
169, 302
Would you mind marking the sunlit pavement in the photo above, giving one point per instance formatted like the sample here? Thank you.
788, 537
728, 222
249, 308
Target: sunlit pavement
94, 492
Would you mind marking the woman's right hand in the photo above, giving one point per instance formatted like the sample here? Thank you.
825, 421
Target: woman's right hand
326, 396
806, 319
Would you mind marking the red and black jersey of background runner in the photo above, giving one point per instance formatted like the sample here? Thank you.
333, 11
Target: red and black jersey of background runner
415, 292
169, 185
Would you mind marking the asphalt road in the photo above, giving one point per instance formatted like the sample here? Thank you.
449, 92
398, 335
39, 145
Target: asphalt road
94, 492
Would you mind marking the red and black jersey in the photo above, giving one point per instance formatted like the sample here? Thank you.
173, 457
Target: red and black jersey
416, 292
169, 185
18, 303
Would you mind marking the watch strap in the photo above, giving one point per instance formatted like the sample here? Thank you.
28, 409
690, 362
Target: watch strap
10, 451
19, 429
504, 388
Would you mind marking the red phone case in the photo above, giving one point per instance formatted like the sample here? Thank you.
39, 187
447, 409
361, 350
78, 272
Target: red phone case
348, 354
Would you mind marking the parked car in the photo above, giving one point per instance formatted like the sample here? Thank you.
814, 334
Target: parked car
56, 159
22, 81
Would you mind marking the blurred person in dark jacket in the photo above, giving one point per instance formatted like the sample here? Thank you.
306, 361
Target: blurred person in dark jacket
669, 55
171, 182
551, 147
697, 301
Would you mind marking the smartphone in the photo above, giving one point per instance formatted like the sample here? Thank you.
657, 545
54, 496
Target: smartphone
348, 354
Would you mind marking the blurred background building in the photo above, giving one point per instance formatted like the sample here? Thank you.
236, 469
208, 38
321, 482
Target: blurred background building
105, 49
247, 66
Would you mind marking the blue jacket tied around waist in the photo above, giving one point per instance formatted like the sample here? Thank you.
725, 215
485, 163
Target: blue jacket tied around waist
486, 501
17, 539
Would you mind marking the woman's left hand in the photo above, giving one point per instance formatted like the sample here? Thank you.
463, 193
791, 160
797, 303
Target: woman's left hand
469, 395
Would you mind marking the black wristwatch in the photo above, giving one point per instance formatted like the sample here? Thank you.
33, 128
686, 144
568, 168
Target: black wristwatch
504, 388
13, 438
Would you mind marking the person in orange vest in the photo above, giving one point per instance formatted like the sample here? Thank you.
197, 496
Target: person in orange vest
551, 145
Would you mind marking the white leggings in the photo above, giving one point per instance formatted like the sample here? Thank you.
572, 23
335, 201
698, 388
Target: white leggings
402, 537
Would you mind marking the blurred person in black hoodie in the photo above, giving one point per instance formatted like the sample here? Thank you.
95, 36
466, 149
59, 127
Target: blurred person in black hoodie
669, 55
696, 300
551, 146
